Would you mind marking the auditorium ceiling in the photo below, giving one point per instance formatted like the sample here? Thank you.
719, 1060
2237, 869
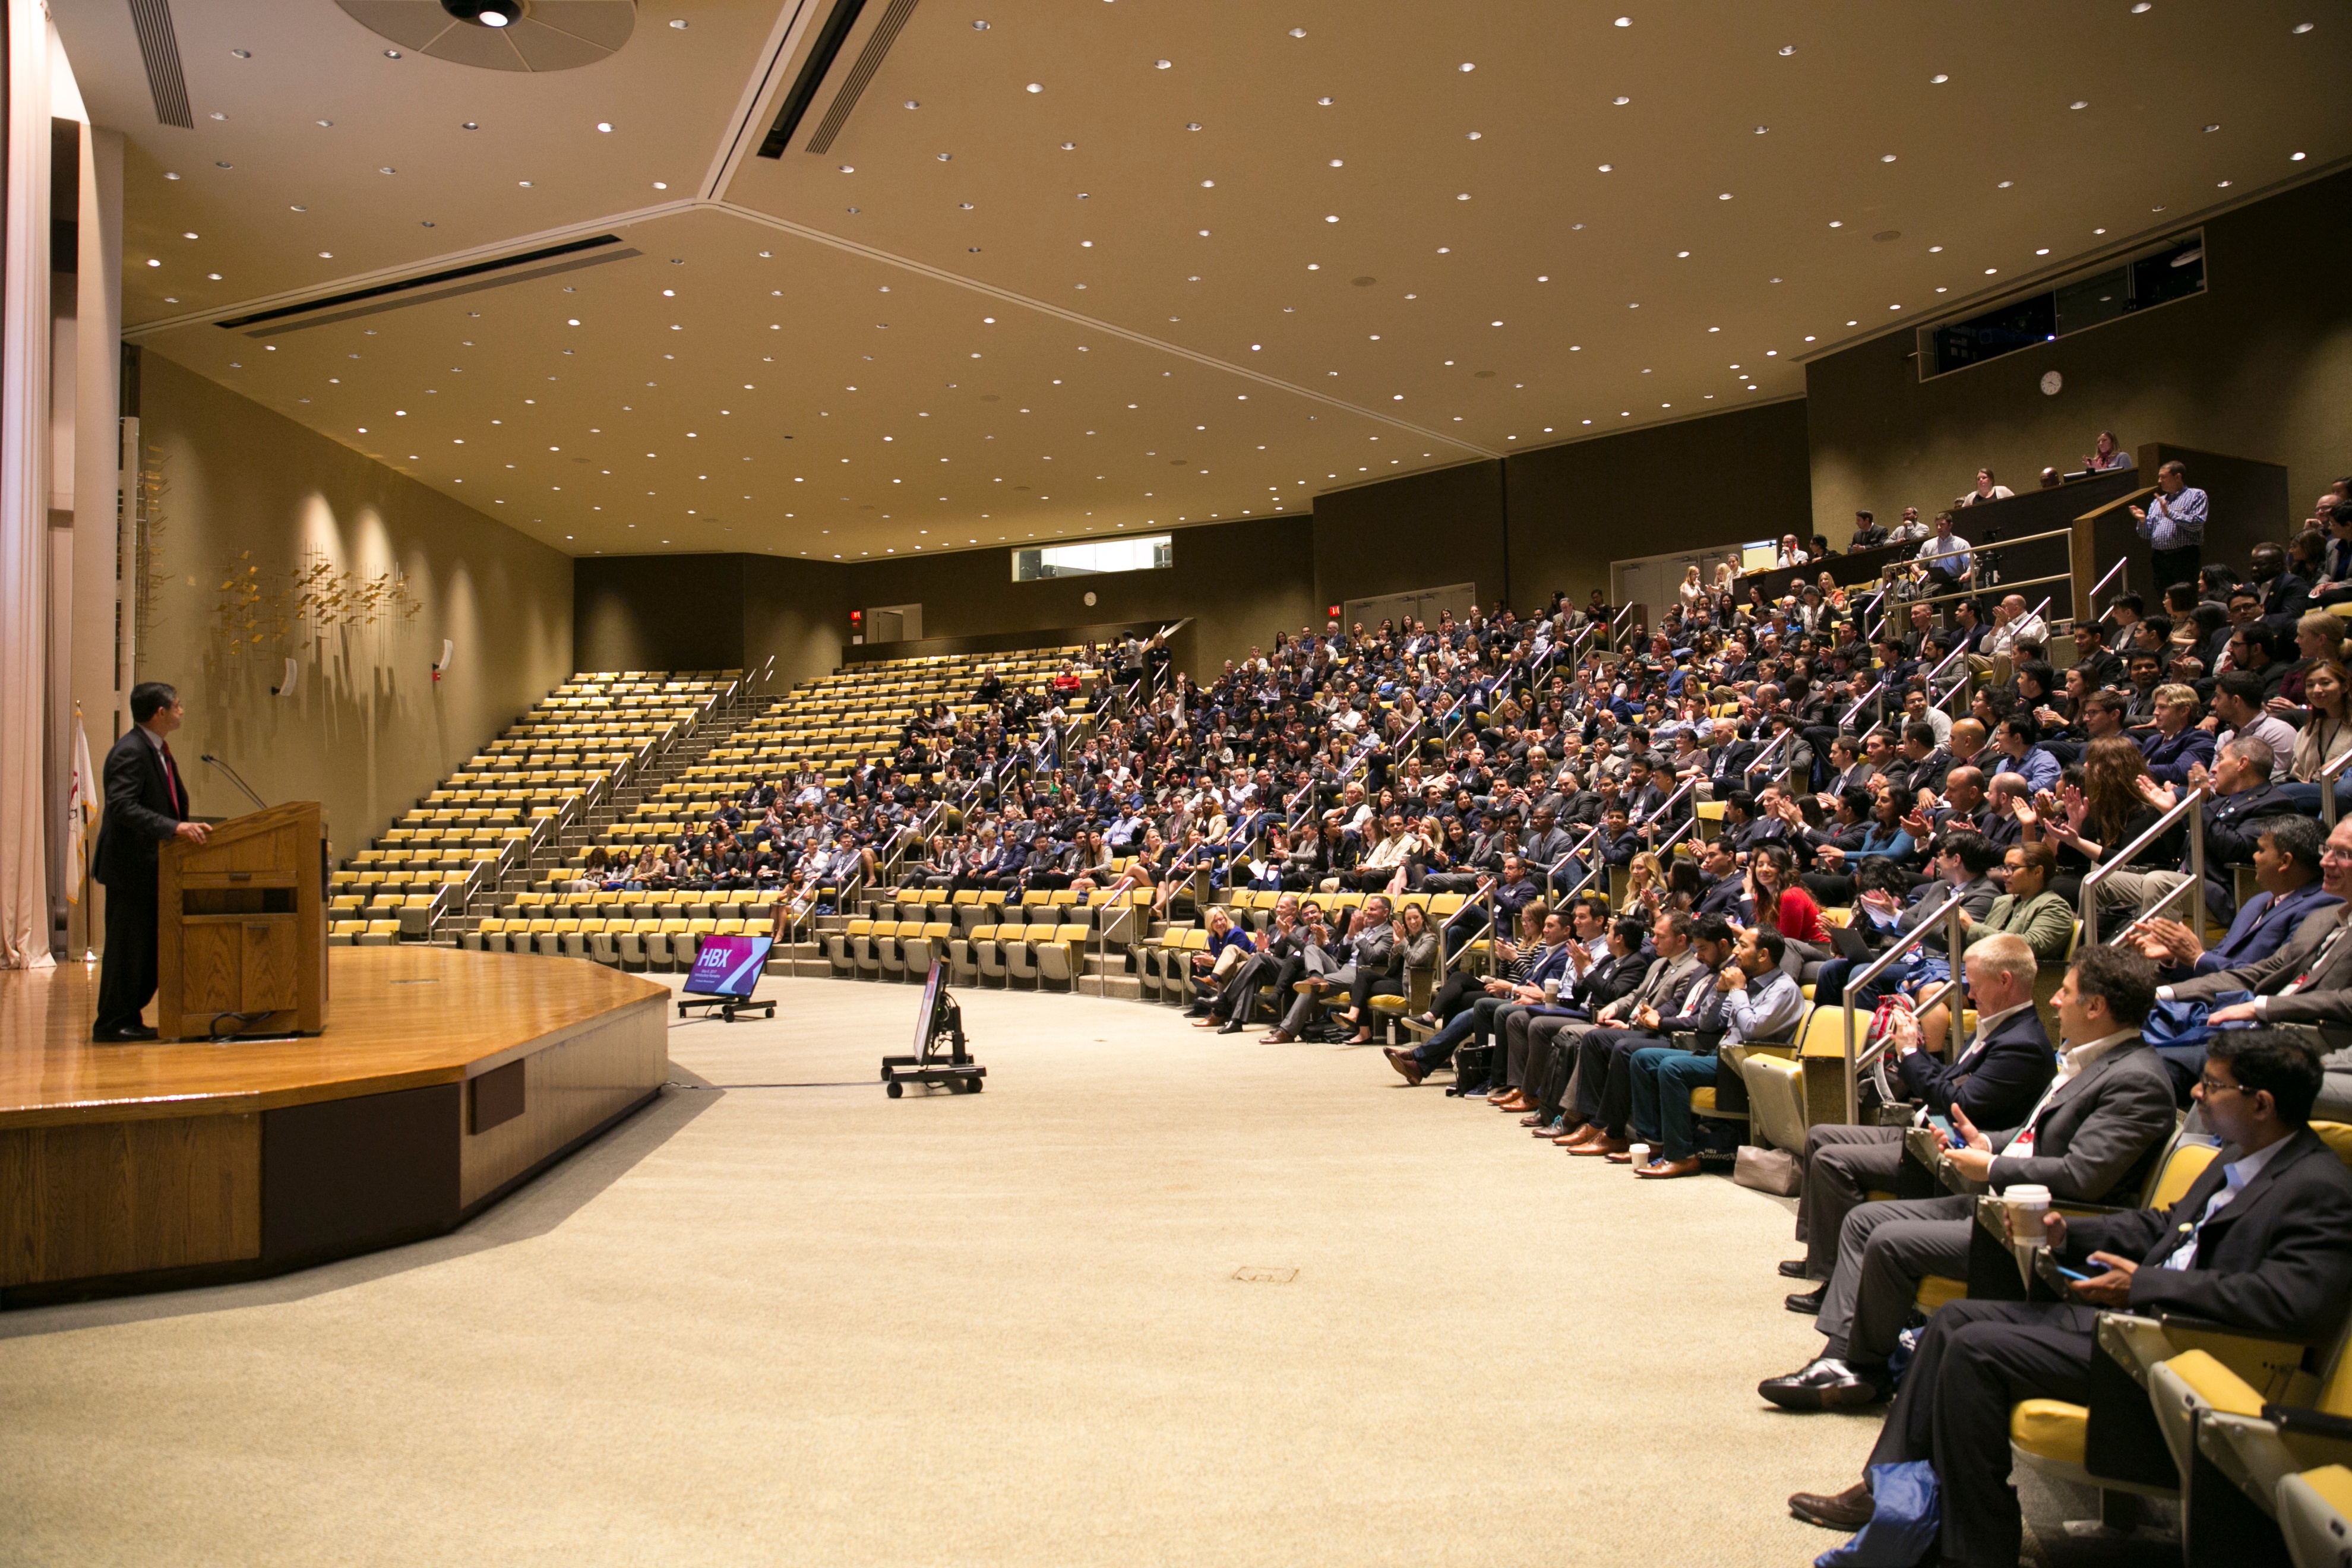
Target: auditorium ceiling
1036, 270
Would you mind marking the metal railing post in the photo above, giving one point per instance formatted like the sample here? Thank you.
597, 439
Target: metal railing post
2117, 860
1854, 983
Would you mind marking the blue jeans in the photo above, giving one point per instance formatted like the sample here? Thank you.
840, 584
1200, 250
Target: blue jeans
1663, 1077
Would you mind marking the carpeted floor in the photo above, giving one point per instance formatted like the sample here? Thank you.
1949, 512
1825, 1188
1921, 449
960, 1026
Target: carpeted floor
778, 1318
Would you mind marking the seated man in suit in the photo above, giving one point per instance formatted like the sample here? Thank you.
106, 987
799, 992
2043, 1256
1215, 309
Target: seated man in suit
2286, 865
2098, 1130
2260, 1243
1754, 999
1995, 1082
1603, 1077
2306, 983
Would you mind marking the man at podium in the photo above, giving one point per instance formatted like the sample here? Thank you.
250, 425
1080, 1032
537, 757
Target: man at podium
146, 804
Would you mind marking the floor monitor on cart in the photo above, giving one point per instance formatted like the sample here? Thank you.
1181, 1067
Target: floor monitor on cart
726, 970
938, 1022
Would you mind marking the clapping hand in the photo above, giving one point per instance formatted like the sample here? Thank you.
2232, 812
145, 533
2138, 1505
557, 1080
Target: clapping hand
2161, 796
2169, 941
2198, 777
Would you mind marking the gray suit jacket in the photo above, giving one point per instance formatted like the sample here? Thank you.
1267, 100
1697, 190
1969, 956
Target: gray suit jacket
2098, 1137
2326, 998
1662, 985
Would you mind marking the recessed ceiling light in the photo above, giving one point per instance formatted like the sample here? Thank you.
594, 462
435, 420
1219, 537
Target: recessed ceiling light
1332, 217
1938, 79
170, 176
289, 209
1887, 158
1625, 21
1837, 222
326, 256
1324, 103
2004, 184
1621, 101
391, 54
1990, 271
2210, 128
214, 275
1934, 249
2303, 27
2295, 157
1069, 146
2043, 251
1163, 65
1605, 168
1468, 66
1208, 184
1298, 32
242, 54
152, 262
1474, 135
1724, 197
1682, 253
679, 23
911, 104
2099, 231
1463, 198
980, 26
1036, 87
1788, 49
1762, 129
2141, 8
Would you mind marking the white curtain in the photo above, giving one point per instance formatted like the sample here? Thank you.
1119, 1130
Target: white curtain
25, 496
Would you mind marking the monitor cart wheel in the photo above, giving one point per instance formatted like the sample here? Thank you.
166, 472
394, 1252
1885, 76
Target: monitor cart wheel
893, 1088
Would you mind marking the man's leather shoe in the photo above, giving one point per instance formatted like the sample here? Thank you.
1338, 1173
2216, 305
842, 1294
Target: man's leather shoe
1407, 1069
1847, 1510
1821, 1385
1792, 1268
1810, 1301
124, 1036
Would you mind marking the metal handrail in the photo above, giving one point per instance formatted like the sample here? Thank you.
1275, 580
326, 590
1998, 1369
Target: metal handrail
1583, 882
1978, 593
1860, 702
2111, 861
1878, 966
1752, 770
2327, 776
2110, 577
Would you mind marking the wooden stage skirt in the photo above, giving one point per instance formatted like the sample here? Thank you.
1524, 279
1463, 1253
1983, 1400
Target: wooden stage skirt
444, 1080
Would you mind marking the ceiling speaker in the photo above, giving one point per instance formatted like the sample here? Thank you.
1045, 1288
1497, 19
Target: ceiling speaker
538, 34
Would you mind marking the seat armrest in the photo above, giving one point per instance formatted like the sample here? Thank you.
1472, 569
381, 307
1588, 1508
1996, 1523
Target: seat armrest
2303, 1421
2135, 1343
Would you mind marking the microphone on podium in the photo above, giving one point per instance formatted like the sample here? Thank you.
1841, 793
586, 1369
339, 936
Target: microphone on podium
259, 803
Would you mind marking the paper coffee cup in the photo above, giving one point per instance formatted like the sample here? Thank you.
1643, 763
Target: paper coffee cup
1639, 1153
1552, 990
2026, 1205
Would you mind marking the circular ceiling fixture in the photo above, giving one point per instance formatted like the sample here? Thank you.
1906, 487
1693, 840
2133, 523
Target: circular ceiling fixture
485, 12
501, 35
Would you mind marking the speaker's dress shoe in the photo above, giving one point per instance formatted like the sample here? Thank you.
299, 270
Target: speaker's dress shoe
127, 1033
1847, 1510
1823, 1384
1792, 1268
1810, 1301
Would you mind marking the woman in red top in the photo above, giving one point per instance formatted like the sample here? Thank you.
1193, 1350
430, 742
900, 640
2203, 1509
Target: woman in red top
1781, 902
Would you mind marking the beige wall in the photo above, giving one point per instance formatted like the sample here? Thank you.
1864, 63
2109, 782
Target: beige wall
369, 730
2258, 366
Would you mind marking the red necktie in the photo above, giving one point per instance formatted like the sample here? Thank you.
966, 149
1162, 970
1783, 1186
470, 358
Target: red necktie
171, 778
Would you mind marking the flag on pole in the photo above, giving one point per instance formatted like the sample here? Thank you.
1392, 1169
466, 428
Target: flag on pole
82, 808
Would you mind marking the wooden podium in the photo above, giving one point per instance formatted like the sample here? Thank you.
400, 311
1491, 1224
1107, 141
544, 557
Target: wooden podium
241, 937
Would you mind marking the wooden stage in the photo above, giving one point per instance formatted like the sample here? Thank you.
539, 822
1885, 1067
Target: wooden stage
444, 1079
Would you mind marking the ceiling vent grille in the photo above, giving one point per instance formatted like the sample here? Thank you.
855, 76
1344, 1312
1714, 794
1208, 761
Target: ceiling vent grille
869, 60
159, 51
445, 284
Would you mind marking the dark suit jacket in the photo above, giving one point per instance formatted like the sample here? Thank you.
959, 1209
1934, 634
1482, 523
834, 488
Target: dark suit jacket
2000, 1086
2276, 1260
2325, 998
142, 810
2100, 1133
